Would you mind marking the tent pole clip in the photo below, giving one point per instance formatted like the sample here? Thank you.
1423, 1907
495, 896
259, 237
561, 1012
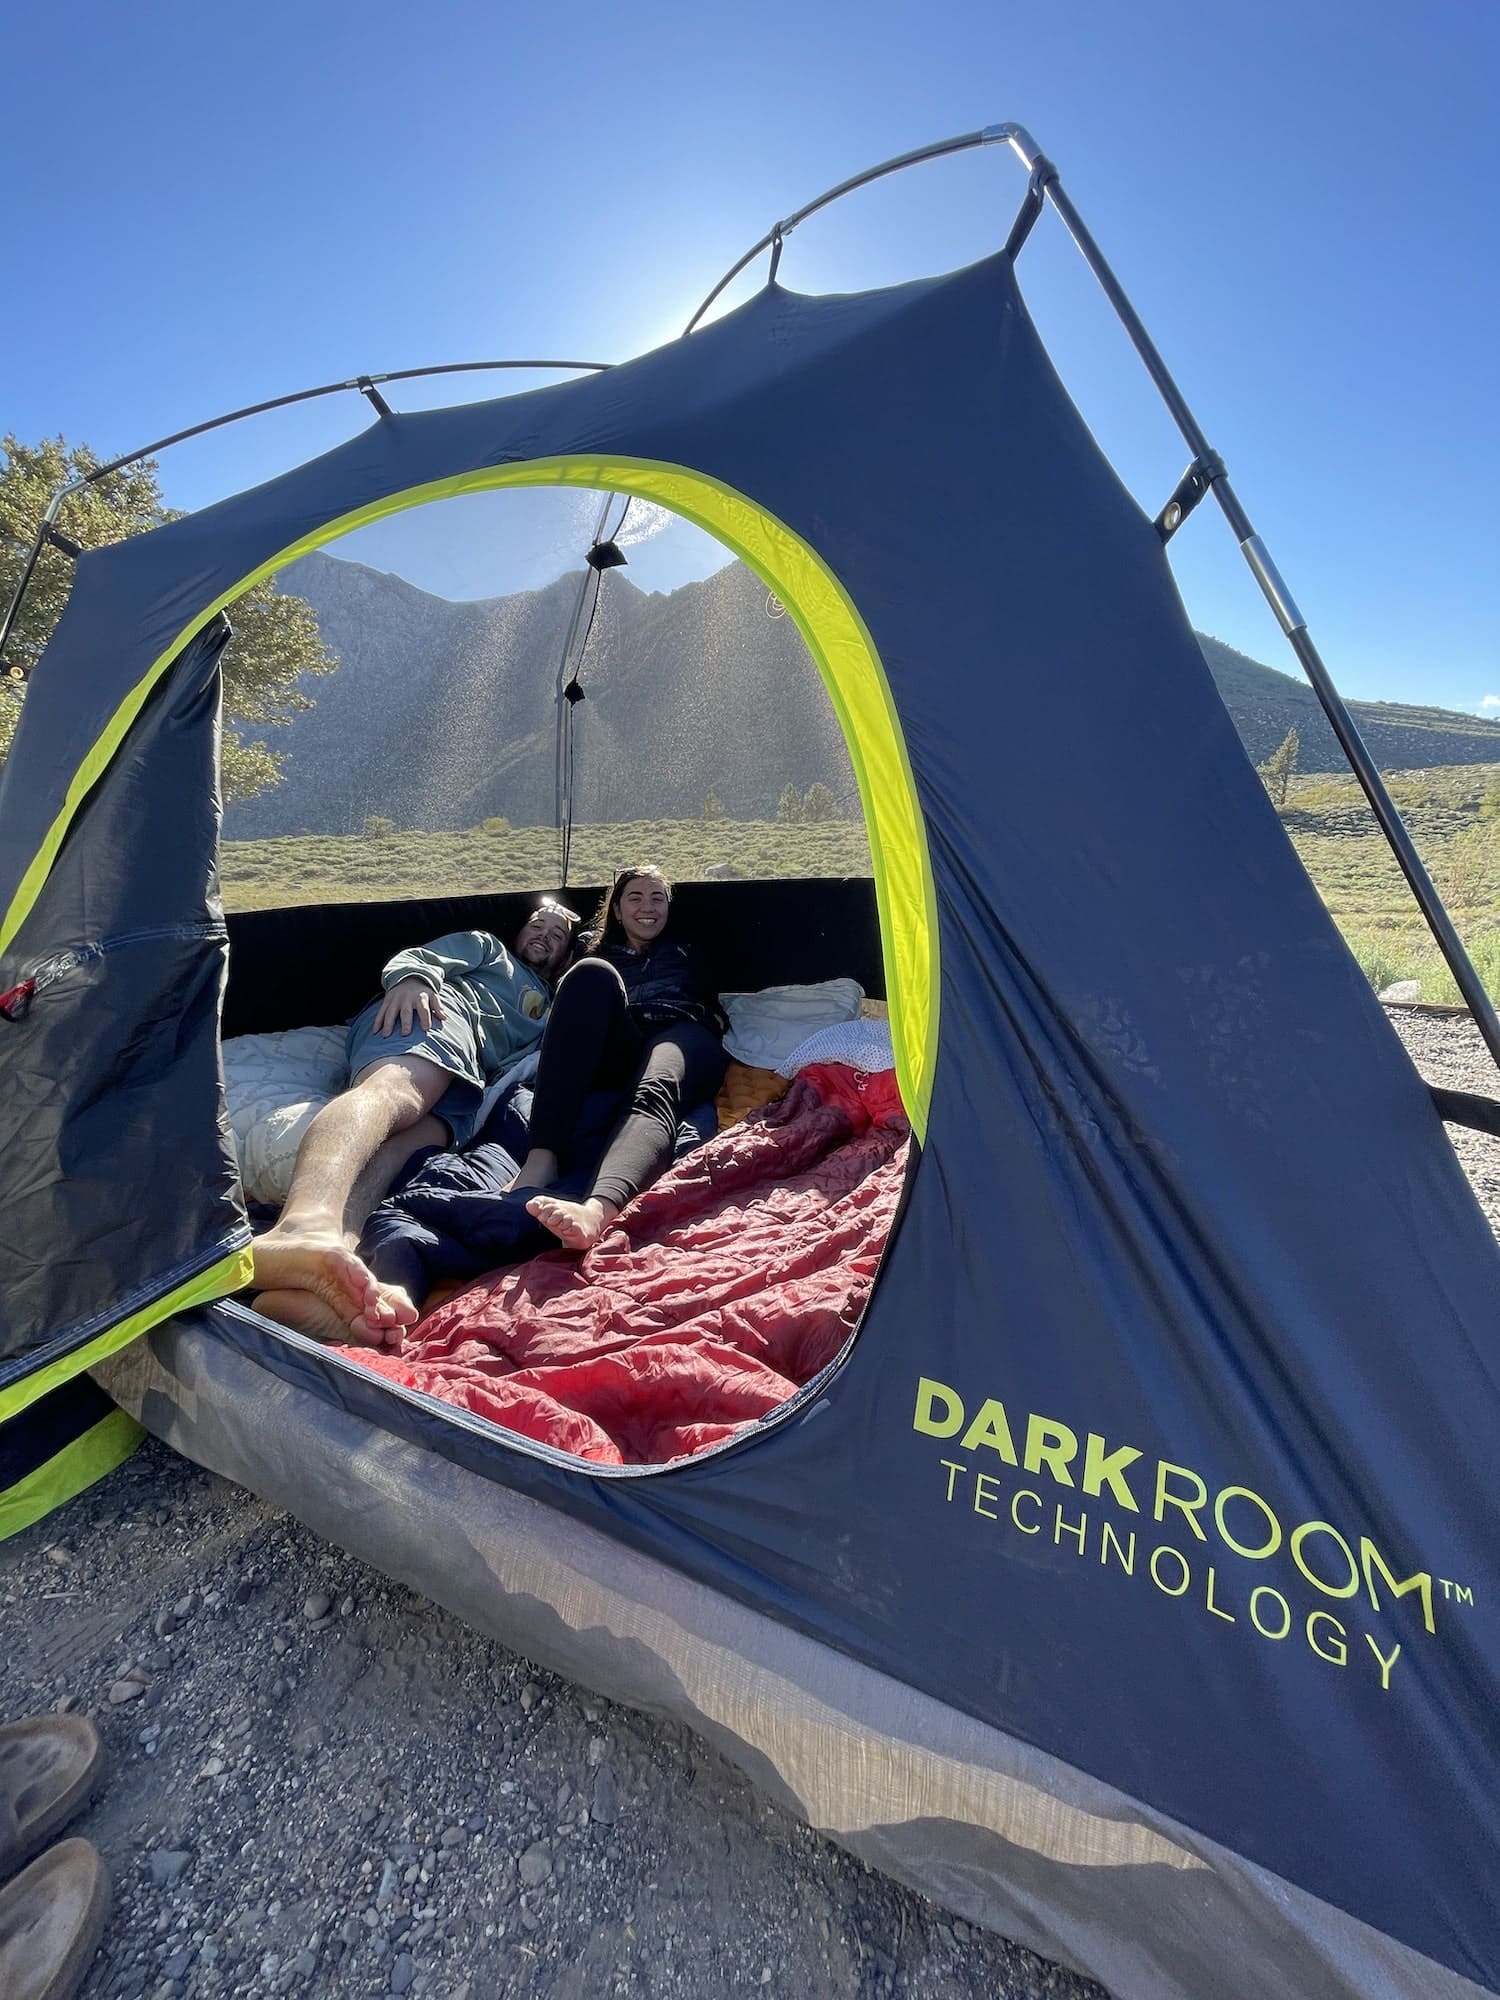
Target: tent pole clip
64, 544
366, 387
1189, 490
572, 694
606, 555
778, 238
1041, 177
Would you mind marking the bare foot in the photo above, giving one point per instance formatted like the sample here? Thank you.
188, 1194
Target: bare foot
329, 1269
577, 1224
307, 1312
331, 1273
537, 1170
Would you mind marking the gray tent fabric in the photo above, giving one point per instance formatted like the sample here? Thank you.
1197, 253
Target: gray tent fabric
1160, 1448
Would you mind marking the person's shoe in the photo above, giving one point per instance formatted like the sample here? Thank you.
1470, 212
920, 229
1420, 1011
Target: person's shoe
52, 1917
50, 1767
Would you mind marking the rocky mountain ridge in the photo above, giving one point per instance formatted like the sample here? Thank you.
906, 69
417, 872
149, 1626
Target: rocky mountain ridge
443, 714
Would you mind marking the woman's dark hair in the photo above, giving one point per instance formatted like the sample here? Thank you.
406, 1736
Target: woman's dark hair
605, 926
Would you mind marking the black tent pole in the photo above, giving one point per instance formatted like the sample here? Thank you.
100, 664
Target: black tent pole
1280, 599
775, 236
1206, 471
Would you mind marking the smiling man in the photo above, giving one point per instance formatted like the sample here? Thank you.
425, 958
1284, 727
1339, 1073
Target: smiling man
453, 1016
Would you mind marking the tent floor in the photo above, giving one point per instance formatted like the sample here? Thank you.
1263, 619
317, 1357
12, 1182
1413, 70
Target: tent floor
1004, 1835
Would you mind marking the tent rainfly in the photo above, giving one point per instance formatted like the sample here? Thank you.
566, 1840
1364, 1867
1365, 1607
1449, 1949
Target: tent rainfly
1126, 1582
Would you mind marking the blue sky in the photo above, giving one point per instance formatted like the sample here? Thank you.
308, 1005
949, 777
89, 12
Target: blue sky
229, 203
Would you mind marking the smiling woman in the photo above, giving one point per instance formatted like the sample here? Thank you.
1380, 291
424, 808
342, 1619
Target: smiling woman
641, 1010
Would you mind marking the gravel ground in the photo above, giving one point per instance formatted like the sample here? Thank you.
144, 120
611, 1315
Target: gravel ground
1448, 1051
323, 1784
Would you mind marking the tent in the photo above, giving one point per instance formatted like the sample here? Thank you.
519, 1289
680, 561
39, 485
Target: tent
1125, 1583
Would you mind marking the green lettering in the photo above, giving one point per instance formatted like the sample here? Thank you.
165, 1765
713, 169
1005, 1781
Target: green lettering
1101, 1468
990, 1428
1052, 1445
929, 1394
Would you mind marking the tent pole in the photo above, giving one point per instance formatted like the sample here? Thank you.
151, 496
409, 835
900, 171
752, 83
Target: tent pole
776, 235
1292, 623
364, 384
563, 806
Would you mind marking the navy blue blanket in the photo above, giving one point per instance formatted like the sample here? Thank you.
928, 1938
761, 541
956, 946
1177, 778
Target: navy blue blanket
448, 1217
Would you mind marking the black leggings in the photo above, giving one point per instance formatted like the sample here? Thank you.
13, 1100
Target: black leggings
592, 1043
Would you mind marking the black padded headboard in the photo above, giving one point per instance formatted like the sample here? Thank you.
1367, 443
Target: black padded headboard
291, 968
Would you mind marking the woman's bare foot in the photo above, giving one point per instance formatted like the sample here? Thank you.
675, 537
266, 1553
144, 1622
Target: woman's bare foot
309, 1313
537, 1170
577, 1224
329, 1273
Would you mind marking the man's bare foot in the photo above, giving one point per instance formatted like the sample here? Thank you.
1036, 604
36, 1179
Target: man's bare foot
537, 1170
307, 1312
577, 1224
331, 1273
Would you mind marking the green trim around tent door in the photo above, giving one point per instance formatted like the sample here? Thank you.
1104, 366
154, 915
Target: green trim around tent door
61, 1444
834, 634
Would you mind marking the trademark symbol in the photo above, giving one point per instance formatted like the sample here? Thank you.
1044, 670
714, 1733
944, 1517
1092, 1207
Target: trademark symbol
1458, 1592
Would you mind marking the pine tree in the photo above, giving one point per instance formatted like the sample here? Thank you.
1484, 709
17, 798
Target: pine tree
275, 634
713, 808
789, 807
820, 804
1279, 767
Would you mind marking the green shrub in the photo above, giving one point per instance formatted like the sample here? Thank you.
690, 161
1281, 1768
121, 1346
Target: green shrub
1383, 957
1440, 988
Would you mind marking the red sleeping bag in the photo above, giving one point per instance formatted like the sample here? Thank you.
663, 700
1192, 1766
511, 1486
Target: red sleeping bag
713, 1298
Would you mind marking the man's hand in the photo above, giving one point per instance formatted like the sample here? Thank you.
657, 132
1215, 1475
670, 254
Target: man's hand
410, 999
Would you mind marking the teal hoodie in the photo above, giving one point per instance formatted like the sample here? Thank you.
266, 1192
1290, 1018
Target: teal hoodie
506, 1001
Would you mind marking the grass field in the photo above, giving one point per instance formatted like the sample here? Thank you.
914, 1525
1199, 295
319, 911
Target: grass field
267, 874
1451, 818
1326, 819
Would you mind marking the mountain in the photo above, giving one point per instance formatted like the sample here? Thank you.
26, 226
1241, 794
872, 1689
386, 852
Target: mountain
442, 715
1266, 704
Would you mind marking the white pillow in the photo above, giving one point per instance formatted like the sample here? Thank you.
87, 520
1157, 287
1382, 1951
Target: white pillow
862, 1045
275, 1085
765, 1027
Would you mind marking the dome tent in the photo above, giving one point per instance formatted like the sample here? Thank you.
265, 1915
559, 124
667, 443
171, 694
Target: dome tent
1136, 1511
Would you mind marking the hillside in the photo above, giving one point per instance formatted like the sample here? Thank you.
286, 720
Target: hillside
442, 715
1265, 704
